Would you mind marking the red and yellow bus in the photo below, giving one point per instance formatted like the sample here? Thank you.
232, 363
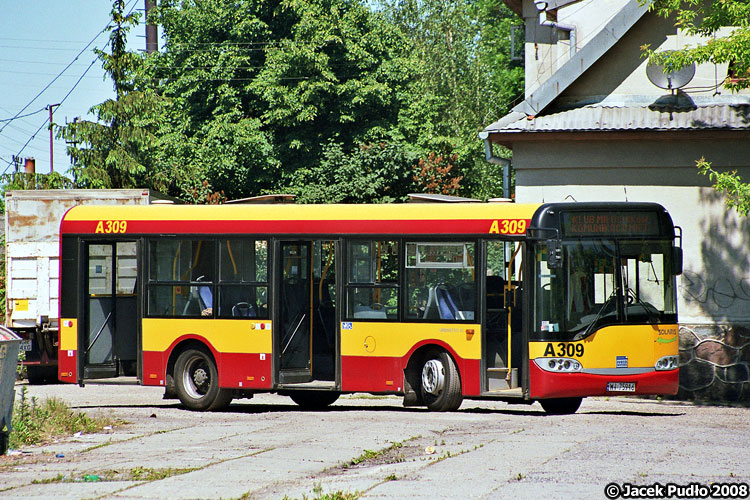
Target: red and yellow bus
433, 301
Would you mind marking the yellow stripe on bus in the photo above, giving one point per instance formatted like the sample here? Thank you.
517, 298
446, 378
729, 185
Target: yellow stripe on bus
416, 211
225, 335
642, 344
68, 334
396, 339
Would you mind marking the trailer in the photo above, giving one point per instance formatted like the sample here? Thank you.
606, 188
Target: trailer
32, 253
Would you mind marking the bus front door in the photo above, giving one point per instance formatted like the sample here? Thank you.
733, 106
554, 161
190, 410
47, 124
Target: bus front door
108, 338
295, 313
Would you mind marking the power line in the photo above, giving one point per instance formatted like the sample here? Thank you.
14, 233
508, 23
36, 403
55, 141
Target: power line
22, 116
54, 79
63, 71
46, 121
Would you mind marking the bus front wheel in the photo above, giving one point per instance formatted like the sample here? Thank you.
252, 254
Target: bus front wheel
561, 406
441, 384
197, 382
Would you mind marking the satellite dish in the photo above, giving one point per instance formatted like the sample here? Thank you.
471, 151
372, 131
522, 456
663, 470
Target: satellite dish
672, 79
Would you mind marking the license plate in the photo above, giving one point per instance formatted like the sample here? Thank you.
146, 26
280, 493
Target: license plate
620, 386
25, 345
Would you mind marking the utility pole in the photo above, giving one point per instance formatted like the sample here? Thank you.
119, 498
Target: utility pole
51, 161
152, 42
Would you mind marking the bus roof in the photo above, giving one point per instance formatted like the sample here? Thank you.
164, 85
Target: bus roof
419, 218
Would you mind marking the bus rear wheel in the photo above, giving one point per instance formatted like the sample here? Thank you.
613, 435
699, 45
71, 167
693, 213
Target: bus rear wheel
561, 406
197, 382
441, 384
314, 400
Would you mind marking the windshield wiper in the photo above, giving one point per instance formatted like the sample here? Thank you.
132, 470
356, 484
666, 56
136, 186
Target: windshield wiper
588, 329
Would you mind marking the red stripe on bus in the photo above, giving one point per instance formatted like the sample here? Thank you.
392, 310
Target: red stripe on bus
244, 371
544, 384
466, 226
67, 366
372, 374
386, 374
154, 368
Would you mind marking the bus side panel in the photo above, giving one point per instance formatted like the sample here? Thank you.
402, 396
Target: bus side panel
374, 355
236, 370
67, 367
155, 367
372, 374
245, 371
241, 348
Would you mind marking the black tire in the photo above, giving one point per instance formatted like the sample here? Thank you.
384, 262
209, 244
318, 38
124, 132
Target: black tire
561, 406
197, 382
440, 384
314, 400
4, 440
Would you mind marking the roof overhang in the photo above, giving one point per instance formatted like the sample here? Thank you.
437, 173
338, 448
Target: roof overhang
625, 123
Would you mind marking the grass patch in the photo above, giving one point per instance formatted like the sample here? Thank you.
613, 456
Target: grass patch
148, 474
37, 422
319, 495
57, 479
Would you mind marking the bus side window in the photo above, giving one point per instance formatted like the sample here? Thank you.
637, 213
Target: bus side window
440, 281
243, 278
373, 282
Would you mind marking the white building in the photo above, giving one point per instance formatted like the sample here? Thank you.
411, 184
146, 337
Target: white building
593, 126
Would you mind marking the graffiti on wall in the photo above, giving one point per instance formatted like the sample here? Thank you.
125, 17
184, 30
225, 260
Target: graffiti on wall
718, 293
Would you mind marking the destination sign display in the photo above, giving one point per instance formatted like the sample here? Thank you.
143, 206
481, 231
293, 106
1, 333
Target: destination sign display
610, 223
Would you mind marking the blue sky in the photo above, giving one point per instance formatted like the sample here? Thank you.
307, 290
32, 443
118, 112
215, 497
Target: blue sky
38, 39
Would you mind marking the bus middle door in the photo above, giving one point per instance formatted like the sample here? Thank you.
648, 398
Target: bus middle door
293, 343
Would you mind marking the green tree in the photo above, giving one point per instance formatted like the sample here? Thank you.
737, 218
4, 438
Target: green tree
706, 18
252, 96
114, 151
467, 80
372, 173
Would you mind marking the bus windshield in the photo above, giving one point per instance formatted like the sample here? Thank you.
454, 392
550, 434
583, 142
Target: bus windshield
602, 282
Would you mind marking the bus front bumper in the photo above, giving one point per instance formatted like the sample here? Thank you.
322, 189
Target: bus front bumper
543, 384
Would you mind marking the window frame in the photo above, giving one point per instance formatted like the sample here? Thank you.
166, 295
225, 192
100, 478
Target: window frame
348, 285
216, 285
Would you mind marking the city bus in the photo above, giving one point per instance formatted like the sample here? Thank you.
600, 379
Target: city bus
435, 302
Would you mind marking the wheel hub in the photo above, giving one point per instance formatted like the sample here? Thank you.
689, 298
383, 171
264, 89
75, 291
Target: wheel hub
200, 377
433, 377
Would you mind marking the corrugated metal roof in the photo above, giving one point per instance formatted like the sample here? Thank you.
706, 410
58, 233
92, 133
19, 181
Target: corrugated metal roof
654, 117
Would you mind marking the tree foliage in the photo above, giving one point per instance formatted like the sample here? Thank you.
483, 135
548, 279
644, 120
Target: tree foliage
333, 100
707, 18
729, 183
115, 150
713, 19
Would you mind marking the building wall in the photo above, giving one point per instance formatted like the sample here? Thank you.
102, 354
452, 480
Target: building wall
618, 78
714, 290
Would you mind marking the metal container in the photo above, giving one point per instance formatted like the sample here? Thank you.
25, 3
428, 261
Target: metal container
32, 247
9, 343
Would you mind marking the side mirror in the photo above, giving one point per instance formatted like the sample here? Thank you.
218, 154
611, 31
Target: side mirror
677, 260
554, 254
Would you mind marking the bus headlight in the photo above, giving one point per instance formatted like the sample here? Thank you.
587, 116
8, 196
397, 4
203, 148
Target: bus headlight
667, 363
560, 365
